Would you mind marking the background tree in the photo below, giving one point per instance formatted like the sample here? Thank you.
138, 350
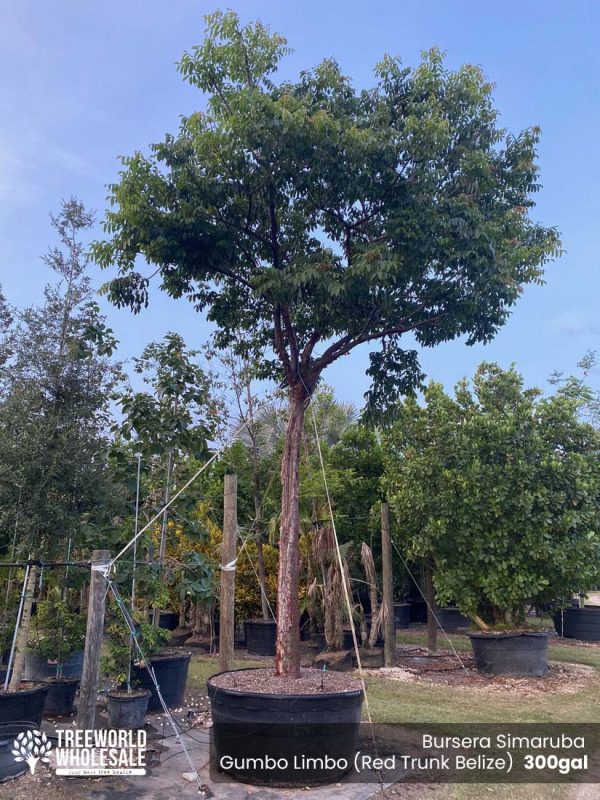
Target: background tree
501, 488
169, 426
57, 495
317, 218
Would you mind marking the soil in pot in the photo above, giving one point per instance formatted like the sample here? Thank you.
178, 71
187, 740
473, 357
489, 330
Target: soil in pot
171, 671
9, 768
520, 654
127, 710
25, 705
61, 697
260, 637
256, 715
579, 623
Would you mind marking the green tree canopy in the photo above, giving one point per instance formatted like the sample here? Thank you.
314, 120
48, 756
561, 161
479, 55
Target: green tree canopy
55, 416
502, 488
316, 218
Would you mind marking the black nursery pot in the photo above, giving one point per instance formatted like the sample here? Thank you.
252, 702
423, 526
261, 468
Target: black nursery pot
61, 697
291, 727
521, 655
167, 619
260, 637
402, 615
171, 671
579, 623
451, 620
26, 705
127, 710
9, 768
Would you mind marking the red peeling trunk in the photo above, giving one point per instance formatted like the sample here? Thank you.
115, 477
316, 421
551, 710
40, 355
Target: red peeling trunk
287, 648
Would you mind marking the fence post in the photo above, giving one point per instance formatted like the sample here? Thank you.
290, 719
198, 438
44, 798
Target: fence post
86, 714
227, 597
389, 632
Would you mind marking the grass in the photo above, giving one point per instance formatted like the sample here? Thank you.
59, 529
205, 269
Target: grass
396, 701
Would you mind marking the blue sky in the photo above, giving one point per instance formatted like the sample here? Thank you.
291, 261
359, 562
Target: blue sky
85, 82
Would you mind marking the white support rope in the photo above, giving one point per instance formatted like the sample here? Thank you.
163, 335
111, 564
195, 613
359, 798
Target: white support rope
342, 575
414, 580
188, 483
147, 664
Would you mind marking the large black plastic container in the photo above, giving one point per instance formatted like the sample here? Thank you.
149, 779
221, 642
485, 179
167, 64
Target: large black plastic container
167, 619
402, 615
9, 768
260, 637
579, 623
26, 705
171, 671
38, 668
127, 710
522, 655
418, 611
61, 697
249, 725
451, 620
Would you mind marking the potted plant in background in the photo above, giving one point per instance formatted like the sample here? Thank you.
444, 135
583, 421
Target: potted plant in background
579, 619
502, 488
63, 634
312, 218
127, 703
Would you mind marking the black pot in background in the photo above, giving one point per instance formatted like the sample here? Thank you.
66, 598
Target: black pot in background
260, 637
319, 640
167, 619
171, 671
250, 725
451, 619
579, 623
61, 697
418, 611
402, 615
127, 710
26, 705
520, 655
9, 768
38, 668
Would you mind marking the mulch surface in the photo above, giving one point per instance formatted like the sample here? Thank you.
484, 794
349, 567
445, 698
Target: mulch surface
263, 681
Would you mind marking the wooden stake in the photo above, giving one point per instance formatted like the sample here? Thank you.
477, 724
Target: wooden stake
228, 552
431, 607
389, 631
86, 714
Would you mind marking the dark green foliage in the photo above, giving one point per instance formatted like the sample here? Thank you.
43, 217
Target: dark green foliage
308, 213
502, 487
54, 408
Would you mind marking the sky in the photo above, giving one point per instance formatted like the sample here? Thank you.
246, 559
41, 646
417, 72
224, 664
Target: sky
86, 82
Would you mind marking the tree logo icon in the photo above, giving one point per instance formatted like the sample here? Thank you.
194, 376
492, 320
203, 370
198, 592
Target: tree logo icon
31, 747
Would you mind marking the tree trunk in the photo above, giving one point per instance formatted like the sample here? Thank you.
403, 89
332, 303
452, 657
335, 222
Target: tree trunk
287, 649
164, 527
23, 632
262, 576
431, 607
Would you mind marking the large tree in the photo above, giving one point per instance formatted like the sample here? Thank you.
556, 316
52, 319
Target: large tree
501, 489
318, 218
